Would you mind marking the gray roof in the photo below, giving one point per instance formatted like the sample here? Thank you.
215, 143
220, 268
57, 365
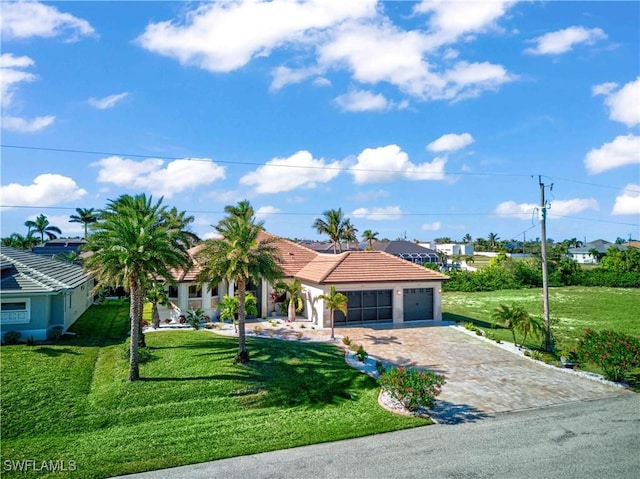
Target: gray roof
598, 246
402, 247
29, 273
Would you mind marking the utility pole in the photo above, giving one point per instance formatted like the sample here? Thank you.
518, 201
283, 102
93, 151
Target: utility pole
548, 344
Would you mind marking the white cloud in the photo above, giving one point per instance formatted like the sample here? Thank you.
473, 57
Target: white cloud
362, 196
362, 100
46, 190
450, 142
628, 202
623, 104
33, 19
177, 176
108, 101
266, 211
22, 125
622, 151
300, 170
378, 214
526, 211
435, 226
449, 21
11, 76
386, 163
562, 41
225, 36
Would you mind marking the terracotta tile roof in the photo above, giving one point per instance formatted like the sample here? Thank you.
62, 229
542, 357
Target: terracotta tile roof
365, 267
293, 257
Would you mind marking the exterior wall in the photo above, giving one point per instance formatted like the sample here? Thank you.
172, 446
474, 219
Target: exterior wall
76, 303
316, 309
583, 258
206, 301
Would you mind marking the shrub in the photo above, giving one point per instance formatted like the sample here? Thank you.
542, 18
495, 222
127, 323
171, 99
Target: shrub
31, 341
537, 355
346, 341
257, 330
194, 317
361, 354
478, 332
54, 333
470, 326
413, 388
527, 353
380, 367
12, 337
615, 353
353, 347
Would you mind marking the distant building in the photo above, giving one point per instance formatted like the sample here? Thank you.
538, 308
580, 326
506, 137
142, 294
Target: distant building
583, 255
55, 247
451, 249
407, 250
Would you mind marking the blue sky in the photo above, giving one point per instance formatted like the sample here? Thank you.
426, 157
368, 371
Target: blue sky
418, 119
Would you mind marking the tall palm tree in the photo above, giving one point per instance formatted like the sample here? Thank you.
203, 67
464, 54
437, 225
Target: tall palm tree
493, 240
334, 301
84, 216
349, 233
333, 226
370, 236
41, 225
239, 256
467, 238
135, 239
293, 290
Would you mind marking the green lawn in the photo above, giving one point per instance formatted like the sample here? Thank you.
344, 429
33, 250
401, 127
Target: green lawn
71, 401
572, 309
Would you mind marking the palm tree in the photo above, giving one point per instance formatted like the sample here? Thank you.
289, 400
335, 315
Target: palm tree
333, 226
467, 238
134, 239
41, 225
84, 216
156, 294
239, 256
16, 240
370, 236
293, 290
442, 256
68, 257
334, 301
506, 317
493, 240
516, 318
349, 233
228, 308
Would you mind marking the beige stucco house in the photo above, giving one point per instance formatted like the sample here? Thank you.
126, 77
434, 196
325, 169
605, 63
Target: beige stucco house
380, 287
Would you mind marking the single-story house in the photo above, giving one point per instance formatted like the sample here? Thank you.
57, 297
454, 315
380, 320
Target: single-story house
583, 255
40, 293
380, 287
407, 250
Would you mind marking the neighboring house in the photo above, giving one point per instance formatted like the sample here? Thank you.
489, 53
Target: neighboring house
451, 249
55, 247
326, 247
380, 287
40, 293
583, 255
407, 250
632, 244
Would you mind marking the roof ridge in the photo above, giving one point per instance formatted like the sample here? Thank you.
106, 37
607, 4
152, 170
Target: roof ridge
340, 259
35, 275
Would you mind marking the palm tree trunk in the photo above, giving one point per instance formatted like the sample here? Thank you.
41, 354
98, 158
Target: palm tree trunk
243, 354
135, 313
291, 311
142, 343
332, 329
155, 316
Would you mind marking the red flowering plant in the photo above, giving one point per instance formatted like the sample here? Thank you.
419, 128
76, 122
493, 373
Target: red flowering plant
414, 388
615, 353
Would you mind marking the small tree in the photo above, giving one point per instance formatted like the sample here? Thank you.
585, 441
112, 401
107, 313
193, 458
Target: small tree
293, 290
514, 318
334, 301
229, 305
155, 294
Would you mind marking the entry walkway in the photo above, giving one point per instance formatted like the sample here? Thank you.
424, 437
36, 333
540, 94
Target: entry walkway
482, 379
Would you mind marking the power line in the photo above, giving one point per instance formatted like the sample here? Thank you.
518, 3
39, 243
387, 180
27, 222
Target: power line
368, 215
252, 163
588, 183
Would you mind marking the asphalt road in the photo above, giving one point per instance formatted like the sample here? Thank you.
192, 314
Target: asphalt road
586, 439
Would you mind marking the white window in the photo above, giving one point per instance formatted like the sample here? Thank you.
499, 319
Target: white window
16, 310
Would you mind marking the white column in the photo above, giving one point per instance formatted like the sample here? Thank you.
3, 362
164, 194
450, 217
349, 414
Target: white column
263, 299
398, 305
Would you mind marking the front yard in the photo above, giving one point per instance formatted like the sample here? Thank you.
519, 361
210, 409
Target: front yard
71, 402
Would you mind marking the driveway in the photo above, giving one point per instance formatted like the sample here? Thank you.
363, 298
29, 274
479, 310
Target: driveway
482, 378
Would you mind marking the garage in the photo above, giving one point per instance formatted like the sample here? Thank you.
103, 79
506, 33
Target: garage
367, 307
418, 304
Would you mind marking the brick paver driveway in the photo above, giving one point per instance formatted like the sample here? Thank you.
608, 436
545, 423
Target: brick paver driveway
482, 378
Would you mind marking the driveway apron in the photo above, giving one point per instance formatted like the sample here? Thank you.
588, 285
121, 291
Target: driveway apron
482, 378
